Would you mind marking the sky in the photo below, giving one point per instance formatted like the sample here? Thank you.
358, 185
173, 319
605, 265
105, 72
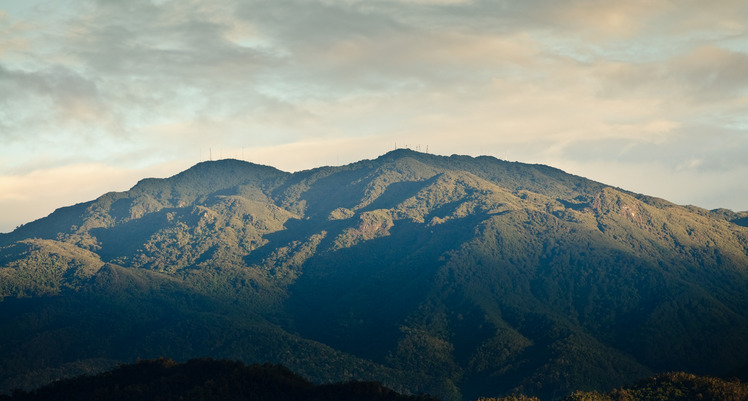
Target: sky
650, 96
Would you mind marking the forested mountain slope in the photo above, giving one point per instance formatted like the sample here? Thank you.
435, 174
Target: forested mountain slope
456, 276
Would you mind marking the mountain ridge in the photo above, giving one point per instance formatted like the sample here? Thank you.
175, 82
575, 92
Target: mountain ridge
206, 166
452, 275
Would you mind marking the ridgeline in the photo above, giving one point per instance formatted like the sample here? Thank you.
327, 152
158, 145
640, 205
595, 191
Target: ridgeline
454, 276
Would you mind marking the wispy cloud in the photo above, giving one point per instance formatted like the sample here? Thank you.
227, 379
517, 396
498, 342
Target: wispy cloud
133, 84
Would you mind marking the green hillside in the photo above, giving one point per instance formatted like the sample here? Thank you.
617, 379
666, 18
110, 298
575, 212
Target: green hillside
457, 276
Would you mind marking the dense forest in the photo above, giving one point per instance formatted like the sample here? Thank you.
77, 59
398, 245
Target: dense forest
455, 276
223, 380
677, 386
205, 380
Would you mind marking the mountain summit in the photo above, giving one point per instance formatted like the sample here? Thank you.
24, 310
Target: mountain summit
456, 276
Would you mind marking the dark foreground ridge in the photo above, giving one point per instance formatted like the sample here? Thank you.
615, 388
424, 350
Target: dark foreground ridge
677, 386
206, 380
223, 380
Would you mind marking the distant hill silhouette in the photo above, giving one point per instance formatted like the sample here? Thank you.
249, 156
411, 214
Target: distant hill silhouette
213, 380
206, 380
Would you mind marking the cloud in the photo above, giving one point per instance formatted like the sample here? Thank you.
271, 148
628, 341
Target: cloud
12, 38
177, 41
135, 83
69, 95
713, 72
704, 74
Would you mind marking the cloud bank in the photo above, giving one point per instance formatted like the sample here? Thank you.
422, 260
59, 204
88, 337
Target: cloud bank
650, 96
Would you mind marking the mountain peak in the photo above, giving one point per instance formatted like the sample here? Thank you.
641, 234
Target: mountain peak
210, 176
402, 153
228, 167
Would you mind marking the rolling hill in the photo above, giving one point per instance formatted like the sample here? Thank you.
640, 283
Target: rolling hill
456, 276
208, 380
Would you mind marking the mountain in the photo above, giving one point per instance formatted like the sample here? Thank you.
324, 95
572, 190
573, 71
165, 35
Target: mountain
455, 276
